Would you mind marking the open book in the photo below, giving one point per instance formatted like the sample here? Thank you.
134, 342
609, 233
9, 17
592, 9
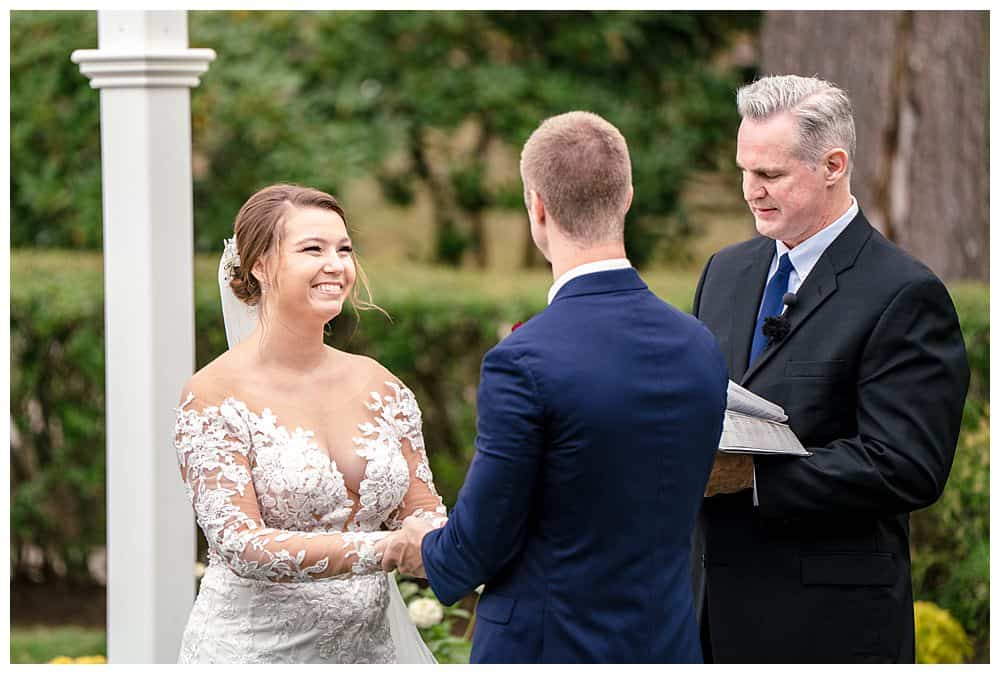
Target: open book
754, 425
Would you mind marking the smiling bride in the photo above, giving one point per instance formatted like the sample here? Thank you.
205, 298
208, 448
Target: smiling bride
298, 457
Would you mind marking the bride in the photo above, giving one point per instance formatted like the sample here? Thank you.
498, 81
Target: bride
298, 458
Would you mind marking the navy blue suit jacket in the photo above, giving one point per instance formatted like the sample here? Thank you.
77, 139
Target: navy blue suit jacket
598, 422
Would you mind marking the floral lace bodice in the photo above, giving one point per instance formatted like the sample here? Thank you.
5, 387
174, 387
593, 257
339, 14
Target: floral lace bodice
274, 506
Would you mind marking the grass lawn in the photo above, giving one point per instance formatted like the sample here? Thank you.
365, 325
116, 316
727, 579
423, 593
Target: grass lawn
41, 644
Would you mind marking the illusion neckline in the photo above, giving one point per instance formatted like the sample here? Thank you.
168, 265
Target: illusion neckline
309, 435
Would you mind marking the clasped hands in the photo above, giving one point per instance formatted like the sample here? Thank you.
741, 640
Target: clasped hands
401, 549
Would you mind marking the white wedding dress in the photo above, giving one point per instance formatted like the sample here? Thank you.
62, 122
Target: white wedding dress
293, 576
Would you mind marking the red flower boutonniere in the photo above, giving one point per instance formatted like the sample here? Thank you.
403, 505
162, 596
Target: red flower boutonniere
516, 326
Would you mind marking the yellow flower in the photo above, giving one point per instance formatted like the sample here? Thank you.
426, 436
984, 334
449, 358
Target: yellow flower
940, 638
82, 660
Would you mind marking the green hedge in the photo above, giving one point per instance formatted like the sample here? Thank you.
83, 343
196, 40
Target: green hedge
443, 322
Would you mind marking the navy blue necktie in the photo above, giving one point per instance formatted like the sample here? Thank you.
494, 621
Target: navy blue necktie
773, 294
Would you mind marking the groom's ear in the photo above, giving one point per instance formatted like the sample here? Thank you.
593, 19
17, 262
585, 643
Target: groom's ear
628, 202
536, 207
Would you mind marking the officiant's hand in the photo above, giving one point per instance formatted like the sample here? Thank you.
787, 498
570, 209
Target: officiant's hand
402, 549
730, 473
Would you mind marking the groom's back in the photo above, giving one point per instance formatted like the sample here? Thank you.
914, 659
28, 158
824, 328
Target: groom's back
634, 394
598, 422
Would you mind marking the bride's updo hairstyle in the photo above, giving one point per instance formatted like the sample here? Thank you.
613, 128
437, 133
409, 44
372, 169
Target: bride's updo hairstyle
259, 229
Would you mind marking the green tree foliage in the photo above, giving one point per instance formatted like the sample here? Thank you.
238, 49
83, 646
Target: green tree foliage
498, 74
950, 541
54, 135
421, 100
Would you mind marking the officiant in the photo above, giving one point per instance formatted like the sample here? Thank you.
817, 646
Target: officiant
806, 559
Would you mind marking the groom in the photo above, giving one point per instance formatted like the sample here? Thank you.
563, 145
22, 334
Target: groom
598, 423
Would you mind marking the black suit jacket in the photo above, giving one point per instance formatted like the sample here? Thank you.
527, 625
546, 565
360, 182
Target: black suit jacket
873, 376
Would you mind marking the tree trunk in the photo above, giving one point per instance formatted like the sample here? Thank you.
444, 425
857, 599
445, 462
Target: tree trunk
477, 216
447, 247
477, 239
918, 84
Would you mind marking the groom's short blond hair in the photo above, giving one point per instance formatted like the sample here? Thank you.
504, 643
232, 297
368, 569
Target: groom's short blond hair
579, 165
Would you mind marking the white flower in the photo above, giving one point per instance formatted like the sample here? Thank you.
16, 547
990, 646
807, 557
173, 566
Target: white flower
426, 612
199, 570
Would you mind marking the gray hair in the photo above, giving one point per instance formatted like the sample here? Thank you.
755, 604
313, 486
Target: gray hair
822, 110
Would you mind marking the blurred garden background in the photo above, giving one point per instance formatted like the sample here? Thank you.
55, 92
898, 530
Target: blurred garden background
414, 120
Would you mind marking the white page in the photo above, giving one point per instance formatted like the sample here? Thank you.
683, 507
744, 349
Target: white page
743, 401
742, 434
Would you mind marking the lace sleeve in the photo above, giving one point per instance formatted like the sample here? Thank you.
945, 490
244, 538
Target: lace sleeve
213, 446
421, 498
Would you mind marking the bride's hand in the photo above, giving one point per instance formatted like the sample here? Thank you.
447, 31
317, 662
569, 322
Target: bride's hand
402, 548
382, 545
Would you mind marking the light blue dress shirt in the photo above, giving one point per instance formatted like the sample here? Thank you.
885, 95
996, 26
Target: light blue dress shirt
805, 255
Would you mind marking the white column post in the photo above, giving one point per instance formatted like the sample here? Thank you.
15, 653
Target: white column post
144, 71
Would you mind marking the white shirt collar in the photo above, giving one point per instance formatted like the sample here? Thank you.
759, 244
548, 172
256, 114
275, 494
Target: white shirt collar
588, 268
805, 255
